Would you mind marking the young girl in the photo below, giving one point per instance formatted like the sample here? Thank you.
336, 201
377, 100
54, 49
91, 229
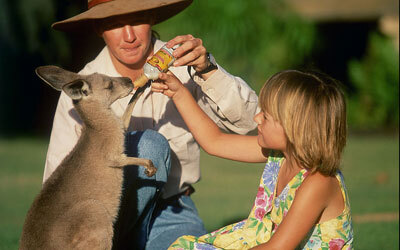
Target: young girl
302, 200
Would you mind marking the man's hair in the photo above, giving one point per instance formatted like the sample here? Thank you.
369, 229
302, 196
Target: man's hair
311, 108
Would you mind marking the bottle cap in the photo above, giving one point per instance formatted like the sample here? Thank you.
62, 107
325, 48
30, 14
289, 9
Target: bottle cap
140, 81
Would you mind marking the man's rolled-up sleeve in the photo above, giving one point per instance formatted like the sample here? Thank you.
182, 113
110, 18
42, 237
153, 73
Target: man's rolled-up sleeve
229, 101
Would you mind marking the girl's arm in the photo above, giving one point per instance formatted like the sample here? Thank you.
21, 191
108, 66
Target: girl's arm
315, 195
205, 131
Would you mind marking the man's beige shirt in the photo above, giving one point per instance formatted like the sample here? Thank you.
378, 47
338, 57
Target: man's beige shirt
227, 99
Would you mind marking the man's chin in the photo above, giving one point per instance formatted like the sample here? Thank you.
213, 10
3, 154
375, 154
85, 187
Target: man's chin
129, 61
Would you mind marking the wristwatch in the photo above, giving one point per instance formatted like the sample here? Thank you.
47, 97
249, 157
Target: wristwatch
211, 65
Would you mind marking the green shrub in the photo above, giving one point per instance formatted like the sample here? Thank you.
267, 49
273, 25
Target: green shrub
375, 101
251, 39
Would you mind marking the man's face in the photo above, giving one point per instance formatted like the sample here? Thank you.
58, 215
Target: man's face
128, 39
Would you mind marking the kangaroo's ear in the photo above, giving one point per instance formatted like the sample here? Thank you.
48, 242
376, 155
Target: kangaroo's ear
55, 76
77, 89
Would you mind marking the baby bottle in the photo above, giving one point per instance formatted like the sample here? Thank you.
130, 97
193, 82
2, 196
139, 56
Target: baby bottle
159, 62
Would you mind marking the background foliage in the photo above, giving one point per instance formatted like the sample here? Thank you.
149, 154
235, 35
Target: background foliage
375, 102
251, 39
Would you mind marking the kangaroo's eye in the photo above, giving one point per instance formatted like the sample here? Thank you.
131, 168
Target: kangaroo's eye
110, 85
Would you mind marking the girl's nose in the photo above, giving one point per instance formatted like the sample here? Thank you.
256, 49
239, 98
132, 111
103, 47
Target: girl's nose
257, 118
128, 33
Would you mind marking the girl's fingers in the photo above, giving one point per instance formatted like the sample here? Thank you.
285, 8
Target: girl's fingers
157, 90
158, 87
162, 76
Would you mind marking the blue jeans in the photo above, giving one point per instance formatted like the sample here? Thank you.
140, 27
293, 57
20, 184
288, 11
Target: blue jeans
145, 221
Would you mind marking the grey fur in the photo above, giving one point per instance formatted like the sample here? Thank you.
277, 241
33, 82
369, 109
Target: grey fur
79, 202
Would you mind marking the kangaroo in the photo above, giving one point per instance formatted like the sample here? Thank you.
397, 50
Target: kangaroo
79, 202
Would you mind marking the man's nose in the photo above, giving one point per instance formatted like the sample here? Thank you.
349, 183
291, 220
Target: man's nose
128, 33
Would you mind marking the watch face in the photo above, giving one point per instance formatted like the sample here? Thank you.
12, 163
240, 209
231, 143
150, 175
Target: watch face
211, 59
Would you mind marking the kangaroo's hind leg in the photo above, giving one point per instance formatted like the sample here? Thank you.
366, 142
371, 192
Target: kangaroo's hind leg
87, 225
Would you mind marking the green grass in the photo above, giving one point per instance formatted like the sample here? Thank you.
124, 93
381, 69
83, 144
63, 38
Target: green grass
227, 189
21, 168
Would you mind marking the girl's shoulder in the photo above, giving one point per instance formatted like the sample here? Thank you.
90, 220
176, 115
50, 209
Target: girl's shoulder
318, 190
328, 191
320, 183
317, 179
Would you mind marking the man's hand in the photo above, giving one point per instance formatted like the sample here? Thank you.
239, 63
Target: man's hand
191, 52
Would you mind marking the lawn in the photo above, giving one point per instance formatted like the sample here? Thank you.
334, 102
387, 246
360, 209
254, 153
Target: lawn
226, 191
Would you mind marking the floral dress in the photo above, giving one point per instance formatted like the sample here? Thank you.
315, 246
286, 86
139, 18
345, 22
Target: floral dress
266, 215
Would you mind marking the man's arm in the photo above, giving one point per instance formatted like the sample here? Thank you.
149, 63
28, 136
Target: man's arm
227, 99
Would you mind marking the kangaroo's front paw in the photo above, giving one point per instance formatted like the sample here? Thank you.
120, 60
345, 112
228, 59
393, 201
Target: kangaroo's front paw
150, 169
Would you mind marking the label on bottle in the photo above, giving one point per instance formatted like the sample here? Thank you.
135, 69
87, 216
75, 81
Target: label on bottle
161, 60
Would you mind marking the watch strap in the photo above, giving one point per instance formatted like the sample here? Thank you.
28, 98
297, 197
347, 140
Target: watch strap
211, 65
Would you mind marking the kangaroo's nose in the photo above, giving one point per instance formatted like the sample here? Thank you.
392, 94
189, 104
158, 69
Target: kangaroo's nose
126, 81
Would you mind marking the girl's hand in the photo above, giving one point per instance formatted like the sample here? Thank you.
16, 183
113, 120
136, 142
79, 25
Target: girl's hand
167, 84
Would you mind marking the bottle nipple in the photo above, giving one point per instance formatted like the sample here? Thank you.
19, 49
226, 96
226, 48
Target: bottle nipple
140, 82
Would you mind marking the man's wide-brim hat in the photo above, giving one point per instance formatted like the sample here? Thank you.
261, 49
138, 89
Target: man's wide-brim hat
99, 9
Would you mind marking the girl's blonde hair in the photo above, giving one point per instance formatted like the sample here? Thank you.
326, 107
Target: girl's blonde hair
311, 108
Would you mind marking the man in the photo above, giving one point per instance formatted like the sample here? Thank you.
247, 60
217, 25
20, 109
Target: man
154, 211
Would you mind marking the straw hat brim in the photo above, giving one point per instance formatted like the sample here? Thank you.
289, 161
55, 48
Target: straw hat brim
160, 11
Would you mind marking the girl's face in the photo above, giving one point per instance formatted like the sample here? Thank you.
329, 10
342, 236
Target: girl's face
128, 40
270, 132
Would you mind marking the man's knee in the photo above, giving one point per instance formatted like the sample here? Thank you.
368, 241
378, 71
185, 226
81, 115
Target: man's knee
152, 141
151, 145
